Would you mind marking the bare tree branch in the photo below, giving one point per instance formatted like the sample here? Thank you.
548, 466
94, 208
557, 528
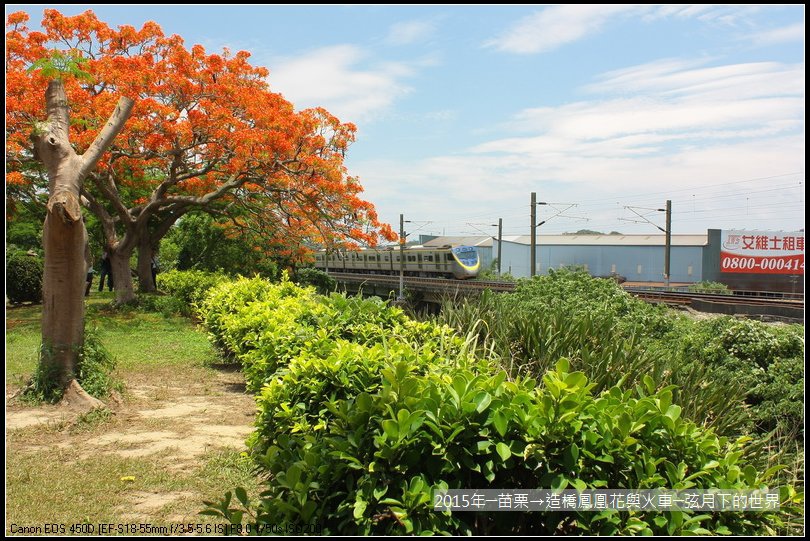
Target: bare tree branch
105, 137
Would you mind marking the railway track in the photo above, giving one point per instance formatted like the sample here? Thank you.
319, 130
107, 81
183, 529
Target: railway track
684, 298
675, 298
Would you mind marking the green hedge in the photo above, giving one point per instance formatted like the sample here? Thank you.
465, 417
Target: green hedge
24, 277
362, 413
190, 287
266, 326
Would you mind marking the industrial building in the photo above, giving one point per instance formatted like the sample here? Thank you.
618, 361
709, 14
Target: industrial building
638, 258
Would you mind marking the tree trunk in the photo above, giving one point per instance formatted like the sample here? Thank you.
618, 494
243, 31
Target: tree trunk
145, 254
122, 276
64, 238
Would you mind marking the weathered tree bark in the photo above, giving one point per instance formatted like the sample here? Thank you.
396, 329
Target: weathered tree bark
122, 275
65, 237
145, 254
148, 245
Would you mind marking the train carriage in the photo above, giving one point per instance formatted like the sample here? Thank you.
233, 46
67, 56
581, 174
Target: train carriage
460, 262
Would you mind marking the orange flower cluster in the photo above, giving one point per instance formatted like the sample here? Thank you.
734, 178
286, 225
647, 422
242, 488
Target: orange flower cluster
206, 130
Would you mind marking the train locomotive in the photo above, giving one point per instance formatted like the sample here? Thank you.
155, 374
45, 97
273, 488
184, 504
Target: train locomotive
459, 262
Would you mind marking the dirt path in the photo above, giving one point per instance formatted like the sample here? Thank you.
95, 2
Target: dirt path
172, 418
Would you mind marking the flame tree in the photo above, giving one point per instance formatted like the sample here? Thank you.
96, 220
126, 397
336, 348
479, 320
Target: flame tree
204, 132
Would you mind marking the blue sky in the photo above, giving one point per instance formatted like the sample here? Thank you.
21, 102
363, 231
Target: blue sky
463, 111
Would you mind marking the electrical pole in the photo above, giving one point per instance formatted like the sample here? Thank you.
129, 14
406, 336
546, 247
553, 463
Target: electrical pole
532, 248
401, 257
667, 231
500, 243
669, 241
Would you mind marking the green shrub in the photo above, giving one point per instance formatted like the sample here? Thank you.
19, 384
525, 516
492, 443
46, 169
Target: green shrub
24, 278
190, 287
363, 413
317, 278
230, 297
371, 461
265, 326
96, 367
709, 287
761, 361
26, 235
168, 305
721, 367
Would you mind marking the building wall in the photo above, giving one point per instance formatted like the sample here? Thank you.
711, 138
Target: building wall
788, 283
515, 258
636, 263
485, 257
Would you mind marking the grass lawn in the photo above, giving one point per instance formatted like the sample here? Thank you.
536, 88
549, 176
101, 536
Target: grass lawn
173, 439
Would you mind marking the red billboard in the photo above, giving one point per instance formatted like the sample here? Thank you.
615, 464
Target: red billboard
762, 252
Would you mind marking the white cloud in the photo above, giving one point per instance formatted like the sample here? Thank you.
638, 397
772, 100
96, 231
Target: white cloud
682, 11
407, 32
454, 190
659, 127
555, 26
672, 78
664, 105
343, 79
785, 34
716, 14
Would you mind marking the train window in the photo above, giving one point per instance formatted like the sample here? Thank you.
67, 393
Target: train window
428, 257
411, 258
387, 258
448, 257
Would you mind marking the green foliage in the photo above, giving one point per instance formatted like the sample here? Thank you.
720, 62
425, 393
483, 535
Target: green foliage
24, 277
322, 282
96, 366
725, 369
565, 314
59, 64
763, 361
709, 287
167, 305
189, 287
227, 299
372, 462
45, 385
491, 275
94, 371
575, 291
199, 242
24, 235
265, 326
363, 413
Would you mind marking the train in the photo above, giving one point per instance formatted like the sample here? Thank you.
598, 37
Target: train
458, 262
